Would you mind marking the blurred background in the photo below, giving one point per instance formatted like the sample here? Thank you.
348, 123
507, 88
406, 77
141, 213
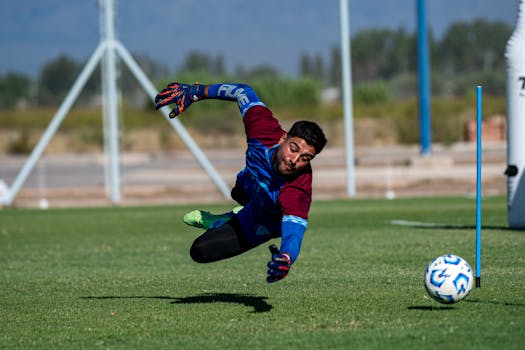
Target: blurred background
290, 52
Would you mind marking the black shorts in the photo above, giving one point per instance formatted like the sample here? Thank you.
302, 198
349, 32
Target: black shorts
220, 243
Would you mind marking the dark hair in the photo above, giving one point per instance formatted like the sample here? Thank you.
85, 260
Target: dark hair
310, 132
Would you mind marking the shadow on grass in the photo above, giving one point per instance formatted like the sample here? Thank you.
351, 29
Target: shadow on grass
258, 303
494, 302
431, 308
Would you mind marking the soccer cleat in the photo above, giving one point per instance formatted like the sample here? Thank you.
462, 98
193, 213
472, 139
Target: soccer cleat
206, 220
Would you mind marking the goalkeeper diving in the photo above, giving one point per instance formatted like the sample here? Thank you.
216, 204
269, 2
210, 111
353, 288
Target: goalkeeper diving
274, 190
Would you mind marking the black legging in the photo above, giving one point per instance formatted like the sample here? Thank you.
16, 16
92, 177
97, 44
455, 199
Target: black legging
220, 243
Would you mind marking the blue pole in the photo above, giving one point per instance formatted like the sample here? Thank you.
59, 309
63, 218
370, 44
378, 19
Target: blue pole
478, 185
425, 125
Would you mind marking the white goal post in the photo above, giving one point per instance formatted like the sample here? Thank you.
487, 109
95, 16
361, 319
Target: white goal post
107, 50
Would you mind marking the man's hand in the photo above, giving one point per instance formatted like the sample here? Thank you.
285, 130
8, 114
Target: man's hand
279, 266
183, 95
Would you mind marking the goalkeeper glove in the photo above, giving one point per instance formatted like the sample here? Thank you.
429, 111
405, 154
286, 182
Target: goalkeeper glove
279, 266
183, 95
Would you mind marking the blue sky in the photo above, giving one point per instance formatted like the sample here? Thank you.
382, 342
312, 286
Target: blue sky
246, 32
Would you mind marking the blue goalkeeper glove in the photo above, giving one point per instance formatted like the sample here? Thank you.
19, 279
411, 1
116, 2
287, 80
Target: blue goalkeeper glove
183, 95
279, 266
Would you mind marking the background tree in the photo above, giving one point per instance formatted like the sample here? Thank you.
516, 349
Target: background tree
202, 62
14, 88
479, 45
56, 78
382, 53
471, 53
467, 54
334, 68
312, 67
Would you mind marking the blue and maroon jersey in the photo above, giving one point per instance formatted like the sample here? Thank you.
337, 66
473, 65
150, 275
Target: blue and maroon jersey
278, 206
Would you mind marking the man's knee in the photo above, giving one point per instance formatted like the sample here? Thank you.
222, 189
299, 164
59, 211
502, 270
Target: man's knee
220, 243
198, 252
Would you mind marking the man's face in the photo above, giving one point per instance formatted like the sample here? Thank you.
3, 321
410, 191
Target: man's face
292, 155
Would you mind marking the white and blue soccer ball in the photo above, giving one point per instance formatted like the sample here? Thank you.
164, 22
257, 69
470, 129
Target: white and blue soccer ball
448, 279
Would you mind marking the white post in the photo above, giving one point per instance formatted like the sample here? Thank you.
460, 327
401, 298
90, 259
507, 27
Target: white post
55, 123
111, 100
347, 97
105, 112
107, 50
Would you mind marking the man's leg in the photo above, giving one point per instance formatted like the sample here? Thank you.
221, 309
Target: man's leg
220, 243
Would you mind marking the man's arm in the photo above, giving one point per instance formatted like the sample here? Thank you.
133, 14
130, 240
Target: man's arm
242, 93
183, 95
293, 229
295, 199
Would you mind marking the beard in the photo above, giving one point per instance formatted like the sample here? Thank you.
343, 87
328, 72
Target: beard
283, 167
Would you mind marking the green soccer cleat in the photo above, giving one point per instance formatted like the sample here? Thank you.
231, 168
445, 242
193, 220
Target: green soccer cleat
206, 220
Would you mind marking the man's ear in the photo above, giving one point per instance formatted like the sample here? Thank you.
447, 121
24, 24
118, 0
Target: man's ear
283, 138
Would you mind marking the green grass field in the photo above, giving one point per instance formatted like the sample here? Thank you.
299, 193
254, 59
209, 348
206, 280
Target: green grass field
120, 278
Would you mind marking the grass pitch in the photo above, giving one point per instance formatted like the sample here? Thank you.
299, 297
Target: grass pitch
120, 278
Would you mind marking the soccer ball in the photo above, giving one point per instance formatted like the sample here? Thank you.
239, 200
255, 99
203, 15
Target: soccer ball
448, 279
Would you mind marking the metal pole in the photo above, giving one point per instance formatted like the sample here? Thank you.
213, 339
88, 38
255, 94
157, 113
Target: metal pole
105, 112
55, 122
111, 100
175, 123
478, 185
425, 124
347, 97
107, 49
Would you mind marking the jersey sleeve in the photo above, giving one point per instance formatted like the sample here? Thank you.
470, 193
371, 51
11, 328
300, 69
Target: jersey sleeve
293, 229
295, 197
295, 200
260, 124
244, 95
